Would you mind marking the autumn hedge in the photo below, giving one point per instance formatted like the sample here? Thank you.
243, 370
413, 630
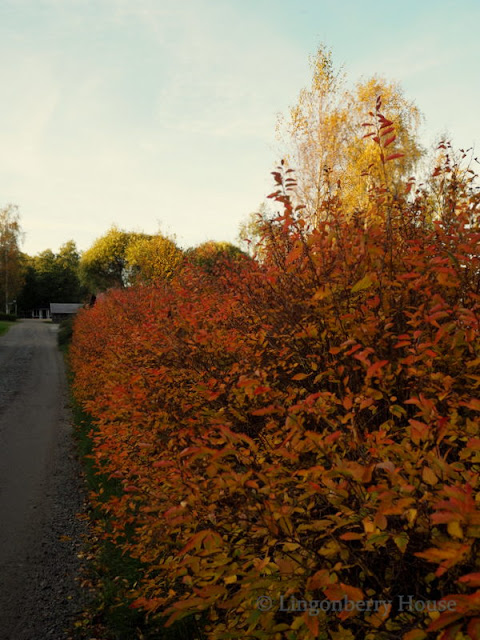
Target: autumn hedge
305, 427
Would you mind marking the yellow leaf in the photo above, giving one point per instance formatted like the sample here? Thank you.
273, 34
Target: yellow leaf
368, 525
397, 410
401, 541
297, 623
330, 549
230, 579
364, 283
454, 529
411, 515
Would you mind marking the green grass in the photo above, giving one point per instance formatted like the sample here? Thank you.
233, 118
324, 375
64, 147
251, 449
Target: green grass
4, 326
65, 330
111, 574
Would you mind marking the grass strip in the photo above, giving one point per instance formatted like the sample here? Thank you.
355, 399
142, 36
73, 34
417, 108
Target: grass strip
4, 326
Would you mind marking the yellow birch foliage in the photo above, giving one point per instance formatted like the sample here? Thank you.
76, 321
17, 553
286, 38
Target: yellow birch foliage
323, 138
152, 257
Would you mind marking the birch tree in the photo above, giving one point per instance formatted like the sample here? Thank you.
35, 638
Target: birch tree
322, 138
10, 255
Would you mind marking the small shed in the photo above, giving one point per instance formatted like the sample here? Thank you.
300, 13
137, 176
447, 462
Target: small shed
43, 313
61, 310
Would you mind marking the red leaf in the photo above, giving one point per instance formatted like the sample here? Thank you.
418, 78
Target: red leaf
131, 488
393, 156
473, 628
389, 141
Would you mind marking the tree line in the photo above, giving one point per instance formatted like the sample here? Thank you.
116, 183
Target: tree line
116, 259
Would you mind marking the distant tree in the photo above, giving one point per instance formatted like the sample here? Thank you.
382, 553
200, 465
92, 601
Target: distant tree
29, 297
11, 275
254, 230
151, 258
68, 265
47, 277
50, 277
212, 253
105, 264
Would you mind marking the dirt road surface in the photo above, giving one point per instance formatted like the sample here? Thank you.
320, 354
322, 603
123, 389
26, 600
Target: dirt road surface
40, 490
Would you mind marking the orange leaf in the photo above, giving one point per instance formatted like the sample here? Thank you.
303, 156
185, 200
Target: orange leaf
415, 634
419, 429
300, 376
320, 579
295, 253
473, 404
195, 541
375, 367
444, 620
312, 624
429, 476
471, 579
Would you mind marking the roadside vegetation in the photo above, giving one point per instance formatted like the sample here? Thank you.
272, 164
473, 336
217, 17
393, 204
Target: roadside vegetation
109, 575
6, 321
4, 326
301, 424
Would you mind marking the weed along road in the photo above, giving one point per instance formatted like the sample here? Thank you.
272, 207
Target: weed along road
40, 494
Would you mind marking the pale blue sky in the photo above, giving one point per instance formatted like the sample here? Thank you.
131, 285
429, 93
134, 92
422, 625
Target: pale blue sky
148, 112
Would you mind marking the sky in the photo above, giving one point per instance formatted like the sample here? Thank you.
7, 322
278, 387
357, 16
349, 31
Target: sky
159, 115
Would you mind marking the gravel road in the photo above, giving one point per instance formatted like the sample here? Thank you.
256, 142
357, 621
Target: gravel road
40, 489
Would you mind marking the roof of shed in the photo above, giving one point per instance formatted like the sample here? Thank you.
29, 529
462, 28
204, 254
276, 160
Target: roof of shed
64, 307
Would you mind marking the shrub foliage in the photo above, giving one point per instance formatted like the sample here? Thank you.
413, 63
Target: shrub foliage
304, 427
